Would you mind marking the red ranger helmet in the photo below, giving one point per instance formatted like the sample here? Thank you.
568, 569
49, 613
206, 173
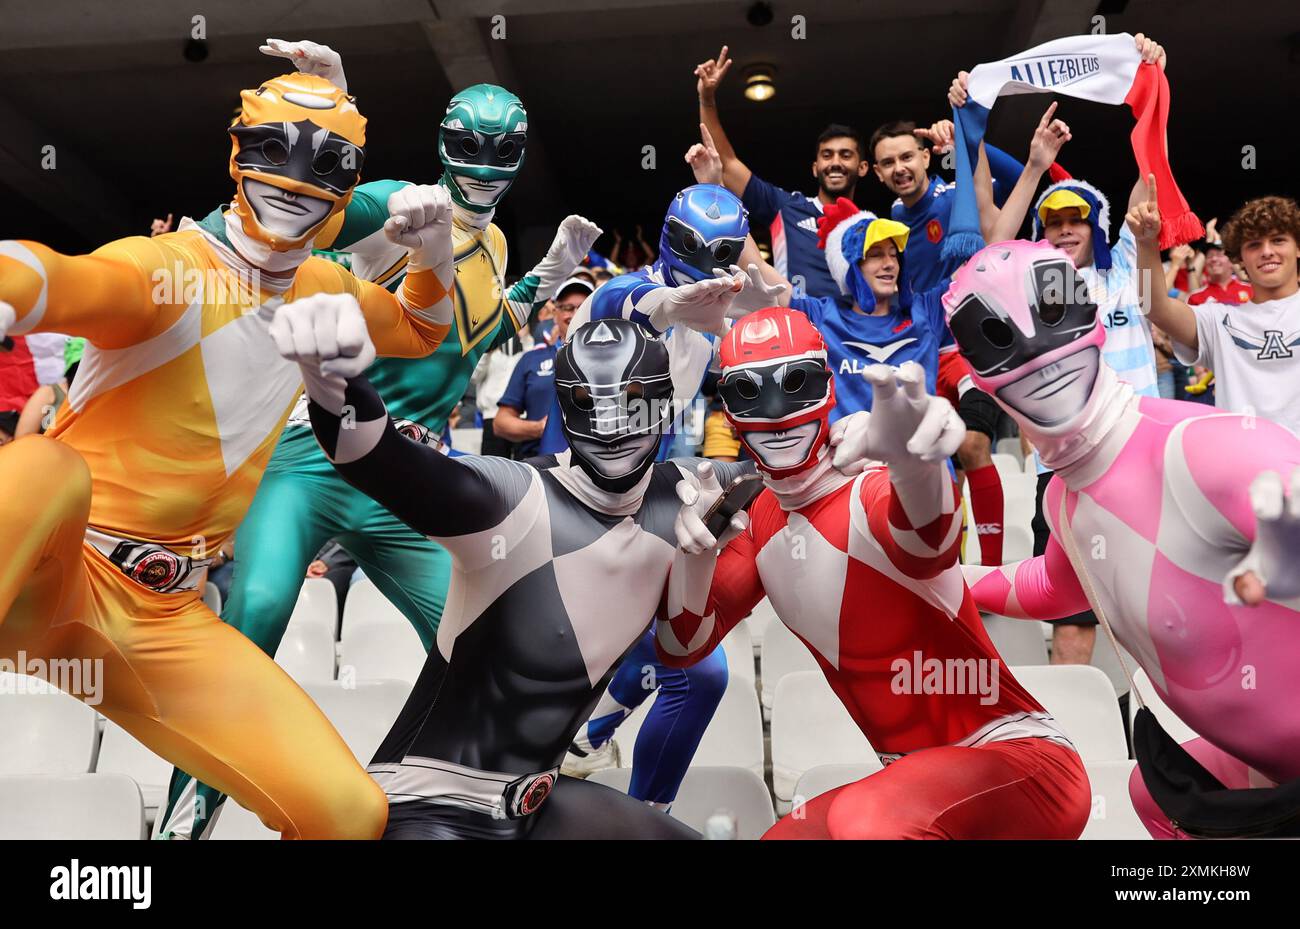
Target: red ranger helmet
777, 390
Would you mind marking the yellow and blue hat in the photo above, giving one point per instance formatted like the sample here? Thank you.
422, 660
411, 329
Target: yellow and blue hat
1092, 206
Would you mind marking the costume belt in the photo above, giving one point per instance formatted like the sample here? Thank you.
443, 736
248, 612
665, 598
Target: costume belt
153, 566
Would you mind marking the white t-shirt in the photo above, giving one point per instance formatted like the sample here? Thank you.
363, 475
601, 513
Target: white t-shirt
1254, 351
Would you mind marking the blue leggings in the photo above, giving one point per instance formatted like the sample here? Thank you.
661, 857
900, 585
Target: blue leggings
666, 743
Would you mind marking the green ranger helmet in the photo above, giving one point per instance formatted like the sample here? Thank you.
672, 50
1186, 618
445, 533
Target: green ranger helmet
481, 143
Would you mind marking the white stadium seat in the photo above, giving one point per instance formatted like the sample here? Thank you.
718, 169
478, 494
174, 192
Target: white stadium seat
389, 651
467, 441
817, 781
1010, 446
76, 806
121, 753
783, 653
709, 790
212, 597
1105, 660
739, 649
318, 604
1008, 465
1017, 542
758, 621
734, 737
365, 606
1112, 815
363, 713
42, 729
1178, 730
811, 727
1018, 641
1018, 495
1084, 704
306, 651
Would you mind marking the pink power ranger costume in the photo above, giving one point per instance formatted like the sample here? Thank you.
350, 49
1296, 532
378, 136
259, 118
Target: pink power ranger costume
1161, 507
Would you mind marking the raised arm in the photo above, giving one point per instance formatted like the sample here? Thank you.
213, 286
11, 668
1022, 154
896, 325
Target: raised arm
112, 297
703, 306
413, 322
1169, 313
706, 593
1043, 587
1001, 225
767, 286
573, 239
913, 510
437, 496
310, 58
735, 174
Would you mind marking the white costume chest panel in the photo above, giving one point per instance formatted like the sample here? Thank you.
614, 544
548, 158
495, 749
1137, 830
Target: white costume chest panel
804, 576
611, 589
251, 385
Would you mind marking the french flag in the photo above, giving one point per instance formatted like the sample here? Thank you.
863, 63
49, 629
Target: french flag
1102, 68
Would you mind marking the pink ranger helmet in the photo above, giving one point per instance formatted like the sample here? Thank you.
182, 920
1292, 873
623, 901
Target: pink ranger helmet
1025, 321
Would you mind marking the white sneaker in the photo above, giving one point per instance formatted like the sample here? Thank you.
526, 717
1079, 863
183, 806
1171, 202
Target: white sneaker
576, 765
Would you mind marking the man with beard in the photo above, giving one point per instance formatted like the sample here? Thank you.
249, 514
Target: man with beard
924, 203
838, 164
541, 551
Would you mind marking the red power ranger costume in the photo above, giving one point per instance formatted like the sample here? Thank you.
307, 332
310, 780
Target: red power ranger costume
860, 561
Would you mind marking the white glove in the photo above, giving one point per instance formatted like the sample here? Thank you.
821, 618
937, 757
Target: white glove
1272, 558
326, 331
573, 240
309, 58
8, 316
905, 423
419, 219
701, 306
698, 492
756, 294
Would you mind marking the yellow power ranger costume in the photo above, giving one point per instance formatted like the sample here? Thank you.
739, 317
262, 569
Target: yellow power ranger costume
178, 403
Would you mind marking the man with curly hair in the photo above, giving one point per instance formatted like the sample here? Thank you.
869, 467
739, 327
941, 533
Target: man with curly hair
1254, 348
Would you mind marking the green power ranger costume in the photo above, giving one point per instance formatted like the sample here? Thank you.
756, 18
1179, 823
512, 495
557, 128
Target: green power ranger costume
302, 503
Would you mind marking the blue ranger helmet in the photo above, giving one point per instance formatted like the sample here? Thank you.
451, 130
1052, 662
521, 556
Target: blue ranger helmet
704, 229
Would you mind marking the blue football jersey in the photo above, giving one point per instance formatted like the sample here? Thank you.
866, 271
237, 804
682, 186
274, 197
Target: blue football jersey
854, 342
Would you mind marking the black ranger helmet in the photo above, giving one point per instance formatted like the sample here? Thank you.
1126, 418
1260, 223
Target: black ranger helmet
615, 392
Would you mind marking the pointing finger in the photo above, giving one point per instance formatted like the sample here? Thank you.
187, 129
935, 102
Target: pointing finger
707, 476
882, 381
912, 376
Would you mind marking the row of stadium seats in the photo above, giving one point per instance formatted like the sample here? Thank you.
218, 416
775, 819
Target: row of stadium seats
814, 746
62, 741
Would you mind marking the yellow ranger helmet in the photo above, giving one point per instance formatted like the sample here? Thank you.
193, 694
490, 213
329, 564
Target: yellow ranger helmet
297, 147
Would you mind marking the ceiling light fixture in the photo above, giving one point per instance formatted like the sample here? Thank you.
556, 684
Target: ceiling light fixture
760, 82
